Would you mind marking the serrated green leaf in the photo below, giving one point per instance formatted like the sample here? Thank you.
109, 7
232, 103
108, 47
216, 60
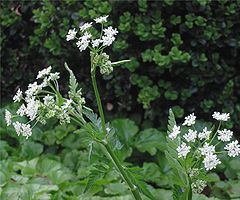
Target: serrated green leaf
72, 79
95, 174
171, 121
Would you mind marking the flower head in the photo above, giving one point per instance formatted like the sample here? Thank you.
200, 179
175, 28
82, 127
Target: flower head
18, 96
32, 109
190, 136
189, 120
8, 117
85, 26
44, 72
71, 34
233, 148
183, 150
221, 116
175, 132
225, 135
84, 41
211, 161
207, 149
109, 35
205, 134
101, 19
198, 186
24, 129
96, 42
22, 110
18, 127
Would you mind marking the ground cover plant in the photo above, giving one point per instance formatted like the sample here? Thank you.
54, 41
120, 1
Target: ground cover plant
190, 151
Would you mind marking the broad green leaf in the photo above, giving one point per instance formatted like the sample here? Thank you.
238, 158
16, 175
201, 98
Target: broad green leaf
150, 140
125, 130
31, 149
116, 189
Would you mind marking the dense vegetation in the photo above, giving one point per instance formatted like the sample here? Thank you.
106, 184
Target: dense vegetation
184, 55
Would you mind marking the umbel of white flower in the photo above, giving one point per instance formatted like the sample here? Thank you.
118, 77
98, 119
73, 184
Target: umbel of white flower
95, 44
42, 101
86, 39
204, 143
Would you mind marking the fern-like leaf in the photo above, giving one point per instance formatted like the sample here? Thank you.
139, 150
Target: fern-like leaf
171, 121
72, 80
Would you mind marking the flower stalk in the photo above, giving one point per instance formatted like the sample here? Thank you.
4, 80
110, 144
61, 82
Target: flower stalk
112, 155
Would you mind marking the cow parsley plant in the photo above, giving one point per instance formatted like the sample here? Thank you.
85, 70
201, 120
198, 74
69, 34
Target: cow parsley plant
193, 153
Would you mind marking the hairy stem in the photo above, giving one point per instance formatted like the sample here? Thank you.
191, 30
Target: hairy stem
113, 156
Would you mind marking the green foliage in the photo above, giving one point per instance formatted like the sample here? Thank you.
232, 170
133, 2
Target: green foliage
55, 164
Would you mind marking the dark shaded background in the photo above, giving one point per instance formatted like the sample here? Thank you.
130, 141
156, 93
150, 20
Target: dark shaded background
185, 54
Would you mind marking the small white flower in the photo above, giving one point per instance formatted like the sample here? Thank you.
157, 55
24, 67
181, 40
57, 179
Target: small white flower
207, 149
221, 116
64, 118
190, 136
198, 186
110, 31
211, 161
54, 76
32, 90
44, 72
67, 105
233, 148
32, 109
190, 120
44, 82
205, 134
107, 40
22, 110
18, 96
225, 135
84, 41
101, 19
48, 100
175, 132
183, 150
96, 43
8, 117
18, 127
26, 130
108, 36
85, 26
71, 34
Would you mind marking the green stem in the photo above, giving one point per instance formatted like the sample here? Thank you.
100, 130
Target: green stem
215, 134
120, 168
99, 103
114, 158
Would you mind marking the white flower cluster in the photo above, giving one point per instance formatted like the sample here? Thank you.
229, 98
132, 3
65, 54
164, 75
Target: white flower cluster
86, 39
221, 116
198, 186
40, 104
203, 142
